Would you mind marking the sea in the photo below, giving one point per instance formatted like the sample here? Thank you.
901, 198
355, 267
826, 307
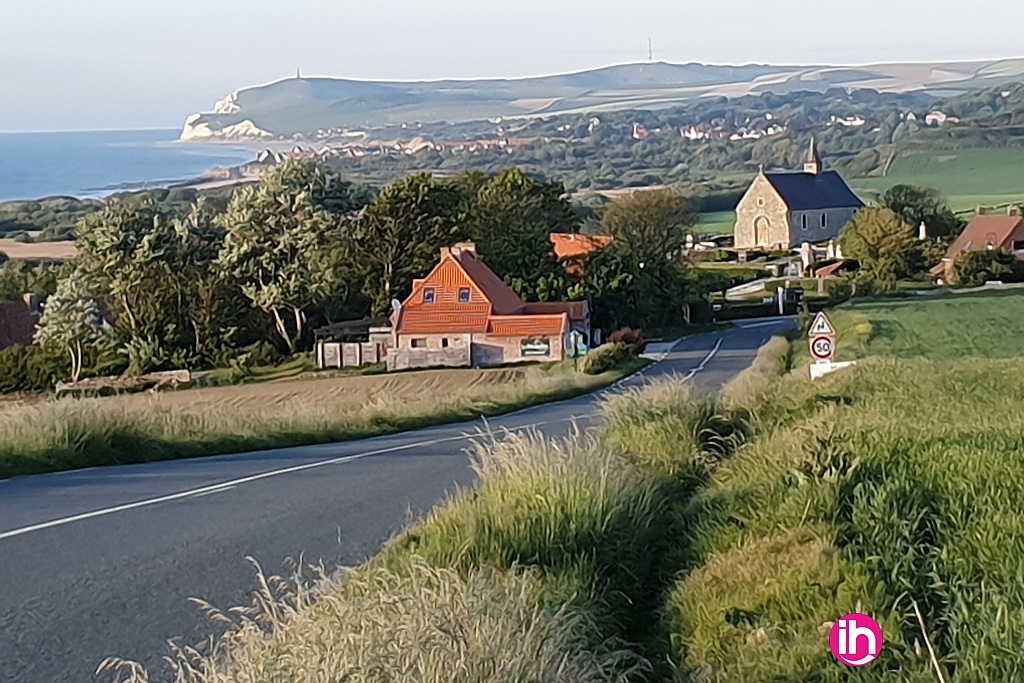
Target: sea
100, 163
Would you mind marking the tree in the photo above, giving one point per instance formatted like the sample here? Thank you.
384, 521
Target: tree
885, 245
122, 255
278, 236
651, 222
975, 268
400, 234
70, 322
916, 205
626, 289
510, 218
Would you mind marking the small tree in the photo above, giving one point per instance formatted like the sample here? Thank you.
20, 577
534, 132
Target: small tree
278, 237
978, 267
916, 205
651, 222
70, 322
885, 245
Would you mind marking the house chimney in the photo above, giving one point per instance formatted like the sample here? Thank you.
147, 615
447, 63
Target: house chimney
1013, 210
31, 303
982, 210
464, 248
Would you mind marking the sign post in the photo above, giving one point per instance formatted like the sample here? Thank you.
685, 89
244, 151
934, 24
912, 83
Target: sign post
576, 348
822, 338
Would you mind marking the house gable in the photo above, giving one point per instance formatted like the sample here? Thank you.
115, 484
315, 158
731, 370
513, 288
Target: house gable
762, 217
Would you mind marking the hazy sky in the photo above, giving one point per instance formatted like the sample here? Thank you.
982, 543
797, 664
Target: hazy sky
86, 64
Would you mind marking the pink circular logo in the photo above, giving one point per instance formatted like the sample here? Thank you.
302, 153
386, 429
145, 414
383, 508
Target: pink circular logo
856, 639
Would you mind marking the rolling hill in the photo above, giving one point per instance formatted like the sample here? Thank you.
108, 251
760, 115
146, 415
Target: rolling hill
304, 106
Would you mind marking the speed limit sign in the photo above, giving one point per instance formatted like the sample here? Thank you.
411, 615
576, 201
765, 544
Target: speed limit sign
823, 348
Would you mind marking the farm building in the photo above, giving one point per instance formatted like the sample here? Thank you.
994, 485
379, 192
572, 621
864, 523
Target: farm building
462, 315
783, 210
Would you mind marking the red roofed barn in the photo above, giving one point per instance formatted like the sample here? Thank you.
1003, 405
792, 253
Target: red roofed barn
462, 314
984, 232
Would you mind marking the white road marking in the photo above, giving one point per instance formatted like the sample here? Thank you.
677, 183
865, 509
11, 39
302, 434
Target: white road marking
226, 485
211, 492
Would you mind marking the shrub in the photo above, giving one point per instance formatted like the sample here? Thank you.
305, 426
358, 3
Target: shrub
605, 358
977, 267
635, 340
724, 256
31, 368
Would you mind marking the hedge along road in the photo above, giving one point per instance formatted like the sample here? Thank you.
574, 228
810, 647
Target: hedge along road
102, 562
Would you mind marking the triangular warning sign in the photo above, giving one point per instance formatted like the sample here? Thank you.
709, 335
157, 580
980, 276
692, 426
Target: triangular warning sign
822, 326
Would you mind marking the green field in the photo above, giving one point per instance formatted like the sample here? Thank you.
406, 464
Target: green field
717, 223
968, 178
939, 327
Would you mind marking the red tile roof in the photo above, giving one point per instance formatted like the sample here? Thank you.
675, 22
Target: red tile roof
503, 300
576, 310
985, 231
492, 307
517, 325
438, 322
573, 246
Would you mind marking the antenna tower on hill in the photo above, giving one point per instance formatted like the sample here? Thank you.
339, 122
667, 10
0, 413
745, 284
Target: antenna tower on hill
650, 50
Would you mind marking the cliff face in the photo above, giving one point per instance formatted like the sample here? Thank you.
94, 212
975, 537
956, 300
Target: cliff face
199, 128
321, 107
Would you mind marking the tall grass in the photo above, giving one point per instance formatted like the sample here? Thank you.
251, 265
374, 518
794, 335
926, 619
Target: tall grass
76, 433
894, 484
423, 624
551, 568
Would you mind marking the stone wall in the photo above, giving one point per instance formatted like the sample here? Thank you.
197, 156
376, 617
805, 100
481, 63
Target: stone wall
762, 206
835, 221
490, 350
409, 359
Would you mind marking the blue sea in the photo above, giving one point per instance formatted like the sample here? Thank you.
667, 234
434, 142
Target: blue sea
97, 163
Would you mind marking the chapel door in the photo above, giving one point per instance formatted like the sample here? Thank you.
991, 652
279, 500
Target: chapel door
761, 231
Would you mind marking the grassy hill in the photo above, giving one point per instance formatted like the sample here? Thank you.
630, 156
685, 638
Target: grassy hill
968, 178
304, 105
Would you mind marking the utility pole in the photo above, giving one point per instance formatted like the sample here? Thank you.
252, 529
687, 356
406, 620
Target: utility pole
650, 50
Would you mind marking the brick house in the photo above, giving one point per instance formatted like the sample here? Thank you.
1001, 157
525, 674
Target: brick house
984, 232
784, 210
463, 315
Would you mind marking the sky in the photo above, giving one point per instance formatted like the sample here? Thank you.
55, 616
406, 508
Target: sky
113, 64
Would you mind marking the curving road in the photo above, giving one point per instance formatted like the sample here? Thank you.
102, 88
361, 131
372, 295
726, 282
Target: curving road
102, 562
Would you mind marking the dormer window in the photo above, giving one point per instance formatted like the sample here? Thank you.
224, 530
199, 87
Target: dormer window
428, 295
464, 295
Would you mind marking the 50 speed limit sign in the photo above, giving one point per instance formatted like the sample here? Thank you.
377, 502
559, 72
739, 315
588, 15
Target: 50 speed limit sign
823, 348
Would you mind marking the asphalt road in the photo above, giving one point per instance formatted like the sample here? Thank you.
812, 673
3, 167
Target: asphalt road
102, 562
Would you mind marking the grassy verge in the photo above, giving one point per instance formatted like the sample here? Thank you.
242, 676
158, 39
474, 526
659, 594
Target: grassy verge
71, 434
552, 568
705, 539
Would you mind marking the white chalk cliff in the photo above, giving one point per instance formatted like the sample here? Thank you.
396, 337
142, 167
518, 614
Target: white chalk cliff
199, 130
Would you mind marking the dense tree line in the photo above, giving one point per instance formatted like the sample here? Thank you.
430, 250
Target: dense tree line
199, 285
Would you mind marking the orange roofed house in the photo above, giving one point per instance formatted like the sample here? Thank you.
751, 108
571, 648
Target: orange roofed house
463, 315
984, 232
572, 248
